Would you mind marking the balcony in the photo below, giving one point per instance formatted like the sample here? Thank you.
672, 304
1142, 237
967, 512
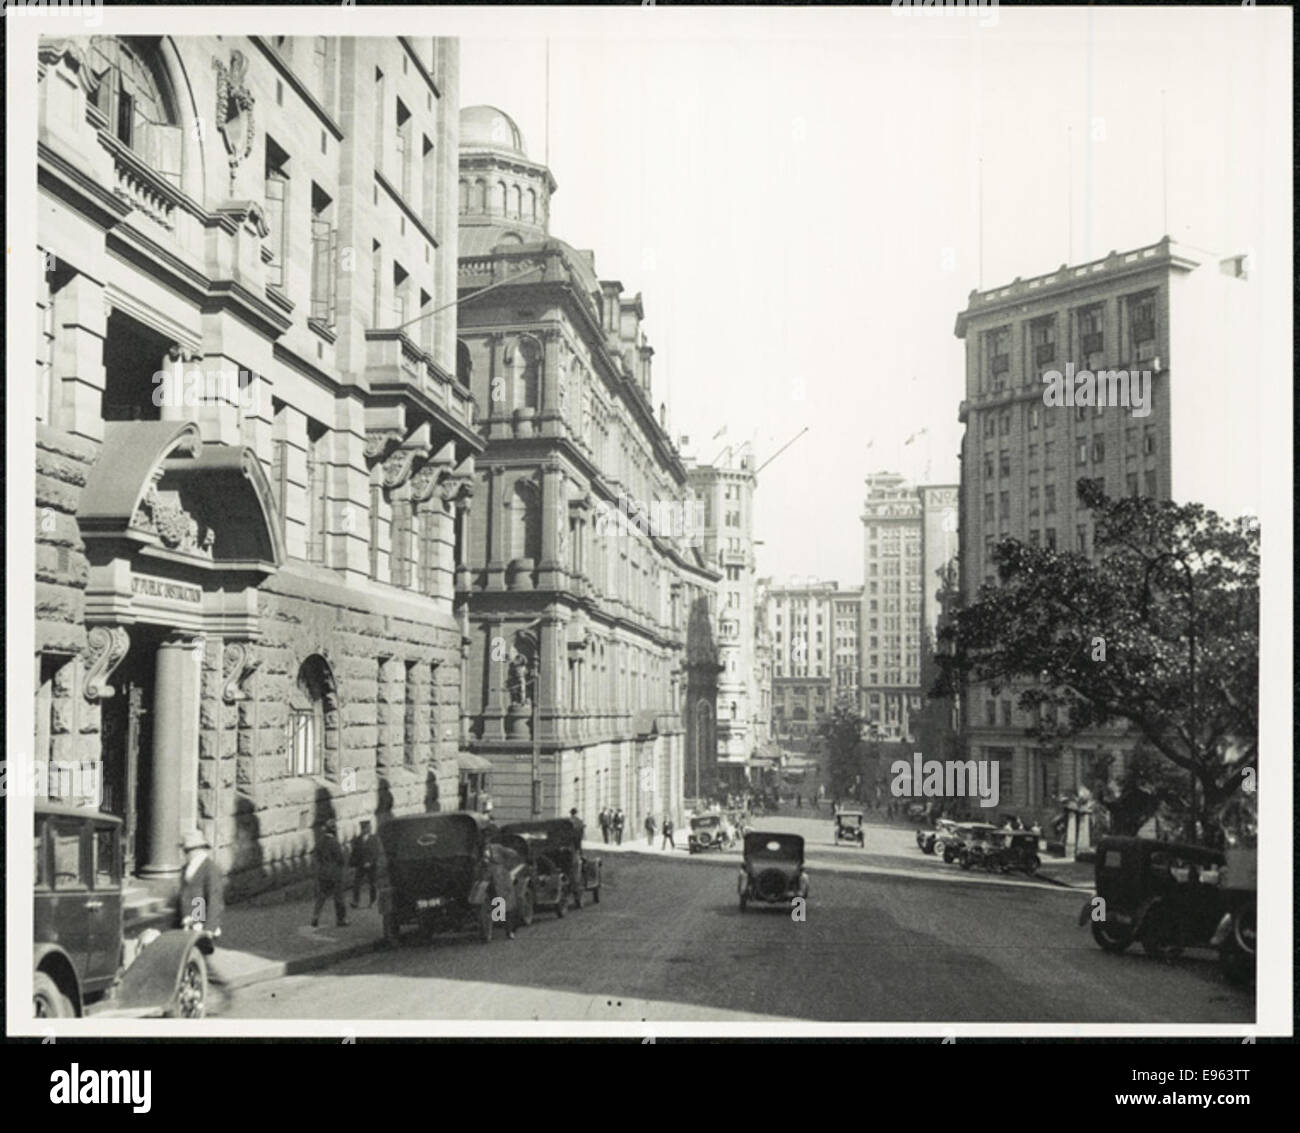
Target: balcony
395, 364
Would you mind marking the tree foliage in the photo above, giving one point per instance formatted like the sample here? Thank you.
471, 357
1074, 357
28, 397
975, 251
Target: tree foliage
842, 732
1159, 630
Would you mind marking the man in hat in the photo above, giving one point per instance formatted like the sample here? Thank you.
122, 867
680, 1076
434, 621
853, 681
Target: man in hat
201, 901
365, 859
329, 874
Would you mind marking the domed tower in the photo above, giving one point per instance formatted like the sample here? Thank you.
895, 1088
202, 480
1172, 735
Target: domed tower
504, 197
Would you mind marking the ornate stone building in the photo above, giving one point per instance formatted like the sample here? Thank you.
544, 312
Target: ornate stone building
592, 664
253, 465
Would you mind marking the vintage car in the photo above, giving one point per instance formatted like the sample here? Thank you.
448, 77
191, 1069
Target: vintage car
933, 840
1020, 852
561, 871
963, 835
849, 828
1171, 896
711, 831
445, 872
773, 871
85, 961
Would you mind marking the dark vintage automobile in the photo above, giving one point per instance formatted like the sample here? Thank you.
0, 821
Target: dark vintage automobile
84, 960
963, 836
445, 872
1000, 850
561, 871
773, 871
849, 828
933, 840
1171, 896
710, 832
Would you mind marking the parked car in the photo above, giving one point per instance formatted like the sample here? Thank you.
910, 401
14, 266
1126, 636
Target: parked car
963, 835
83, 960
933, 840
849, 828
773, 870
561, 871
1171, 896
445, 872
710, 832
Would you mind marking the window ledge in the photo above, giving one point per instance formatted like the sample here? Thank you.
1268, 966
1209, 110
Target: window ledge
327, 332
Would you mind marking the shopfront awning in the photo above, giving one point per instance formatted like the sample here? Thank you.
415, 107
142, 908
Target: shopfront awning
468, 761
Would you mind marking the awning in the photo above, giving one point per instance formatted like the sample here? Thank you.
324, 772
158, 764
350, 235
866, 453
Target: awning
468, 761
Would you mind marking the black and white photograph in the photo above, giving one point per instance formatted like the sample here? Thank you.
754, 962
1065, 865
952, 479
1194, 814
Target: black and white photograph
649, 522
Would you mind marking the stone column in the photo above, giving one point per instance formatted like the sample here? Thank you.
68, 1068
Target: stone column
494, 679
174, 758
496, 516
80, 327
554, 512
552, 637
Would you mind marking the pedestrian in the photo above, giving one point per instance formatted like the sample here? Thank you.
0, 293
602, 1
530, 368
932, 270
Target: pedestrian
619, 821
486, 804
578, 824
365, 860
668, 834
605, 820
329, 874
650, 830
201, 900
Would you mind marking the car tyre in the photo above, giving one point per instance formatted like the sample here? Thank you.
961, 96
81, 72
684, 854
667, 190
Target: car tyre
48, 1001
1158, 938
191, 999
595, 895
1112, 938
964, 861
947, 855
526, 907
1034, 864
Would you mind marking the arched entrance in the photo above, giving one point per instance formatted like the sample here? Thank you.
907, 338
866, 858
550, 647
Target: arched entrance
179, 535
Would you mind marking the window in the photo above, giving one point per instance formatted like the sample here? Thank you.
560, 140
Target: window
1033, 416
277, 215
1150, 478
324, 257
1033, 454
1004, 422
988, 466
990, 425
997, 346
1004, 463
401, 294
1083, 452
1049, 537
1131, 483
1081, 539
1049, 499
317, 487
1042, 339
410, 717
1148, 442
1091, 340
105, 853
1141, 311
1033, 500
1098, 449
69, 866
1004, 503
403, 145
1049, 453
130, 98
991, 713
988, 505
1006, 713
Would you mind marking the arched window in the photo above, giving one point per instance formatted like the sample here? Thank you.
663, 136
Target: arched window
526, 521
499, 198
480, 196
532, 204
464, 194
526, 366
131, 97
516, 201
464, 364
313, 718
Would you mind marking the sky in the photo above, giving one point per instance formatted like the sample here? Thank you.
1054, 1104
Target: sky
805, 200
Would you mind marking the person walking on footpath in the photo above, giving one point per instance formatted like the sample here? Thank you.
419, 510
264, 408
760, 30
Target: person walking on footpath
650, 830
201, 900
668, 834
604, 824
620, 821
365, 860
329, 874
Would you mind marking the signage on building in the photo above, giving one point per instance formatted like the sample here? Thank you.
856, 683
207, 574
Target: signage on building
163, 591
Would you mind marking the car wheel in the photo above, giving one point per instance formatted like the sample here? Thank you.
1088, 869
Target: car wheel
1236, 965
964, 860
561, 903
577, 896
947, 855
48, 1002
191, 1000
1112, 938
485, 920
1034, 864
526, 909
595, 895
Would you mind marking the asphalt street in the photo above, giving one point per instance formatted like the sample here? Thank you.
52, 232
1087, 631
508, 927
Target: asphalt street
668, 940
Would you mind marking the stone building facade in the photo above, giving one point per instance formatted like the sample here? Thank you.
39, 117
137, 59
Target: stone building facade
1161, 308
592, 664
253, 468
801, 618
725, 495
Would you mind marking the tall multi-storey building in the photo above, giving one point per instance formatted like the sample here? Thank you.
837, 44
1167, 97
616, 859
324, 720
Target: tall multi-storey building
892, 592
1160, 309
252, 467
846, 611
801, 617
725, 507
592, 659
939, 544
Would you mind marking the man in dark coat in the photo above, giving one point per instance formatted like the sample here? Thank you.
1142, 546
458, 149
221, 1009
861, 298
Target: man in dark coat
605, 819
329, 874
619, 821
365, 859
201, 901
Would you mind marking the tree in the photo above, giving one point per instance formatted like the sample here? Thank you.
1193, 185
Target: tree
842, 731
1159, 631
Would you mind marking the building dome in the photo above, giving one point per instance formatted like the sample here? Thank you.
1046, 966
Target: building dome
486, 127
